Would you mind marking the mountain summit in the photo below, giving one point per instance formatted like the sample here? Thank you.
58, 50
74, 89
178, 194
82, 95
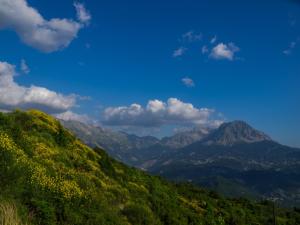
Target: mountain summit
235, 132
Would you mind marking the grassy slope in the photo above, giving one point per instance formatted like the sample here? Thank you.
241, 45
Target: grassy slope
49, 177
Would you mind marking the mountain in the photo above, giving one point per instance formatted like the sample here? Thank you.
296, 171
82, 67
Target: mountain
233, 133
49, 177
129, 148
119, 145
185, 138
235, 159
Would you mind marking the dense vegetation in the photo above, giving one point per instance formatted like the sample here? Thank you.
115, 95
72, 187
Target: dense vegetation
47, 176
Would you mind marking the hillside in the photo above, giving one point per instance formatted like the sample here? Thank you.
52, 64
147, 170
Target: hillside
47, 176
235, 159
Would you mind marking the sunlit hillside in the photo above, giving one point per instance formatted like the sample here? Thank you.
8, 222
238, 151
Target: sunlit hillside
48, 176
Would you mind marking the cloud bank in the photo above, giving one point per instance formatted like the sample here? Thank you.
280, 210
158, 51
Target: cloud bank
37, 32
13, 95
158, 113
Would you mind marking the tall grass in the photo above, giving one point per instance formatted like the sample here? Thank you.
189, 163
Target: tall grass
9, 214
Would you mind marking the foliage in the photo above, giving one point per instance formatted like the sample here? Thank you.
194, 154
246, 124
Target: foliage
53, 178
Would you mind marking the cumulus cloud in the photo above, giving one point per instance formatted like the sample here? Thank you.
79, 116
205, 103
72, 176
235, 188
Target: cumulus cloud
179, 52
224, 51
37, 32
158, 113
82, 14
188, 82
71, 116
24, 67
13, 95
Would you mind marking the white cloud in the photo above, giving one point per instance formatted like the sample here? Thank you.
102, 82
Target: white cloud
191, 36
71, 116
24, 67
13, 95
157, 114
188, 82
179, 52
224, 51
156, 106
35, 31
82, 14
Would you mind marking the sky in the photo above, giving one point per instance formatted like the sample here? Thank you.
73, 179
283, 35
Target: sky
155, 67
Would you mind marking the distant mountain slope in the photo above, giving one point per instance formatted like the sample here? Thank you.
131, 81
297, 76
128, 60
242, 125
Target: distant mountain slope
130, 148
236, 160
185, 138
120, 145
47, 176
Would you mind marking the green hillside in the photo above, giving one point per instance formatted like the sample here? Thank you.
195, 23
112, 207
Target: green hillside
47, 176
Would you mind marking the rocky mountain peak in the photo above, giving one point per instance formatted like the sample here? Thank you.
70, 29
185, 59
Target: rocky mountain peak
235, 132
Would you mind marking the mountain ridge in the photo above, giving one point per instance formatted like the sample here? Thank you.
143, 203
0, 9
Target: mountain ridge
49, 177
236, 147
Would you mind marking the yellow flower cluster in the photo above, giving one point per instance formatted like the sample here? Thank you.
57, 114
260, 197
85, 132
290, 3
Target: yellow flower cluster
67, 188
43, 151
70, 189
39, 177
8, 145
43, 120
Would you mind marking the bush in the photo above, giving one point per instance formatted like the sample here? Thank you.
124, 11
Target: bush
139, 215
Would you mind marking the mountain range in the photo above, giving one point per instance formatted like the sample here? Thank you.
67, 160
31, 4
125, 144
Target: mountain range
48, 176
234, 159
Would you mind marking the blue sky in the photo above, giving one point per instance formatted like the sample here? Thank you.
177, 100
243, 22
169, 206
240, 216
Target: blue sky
125, 53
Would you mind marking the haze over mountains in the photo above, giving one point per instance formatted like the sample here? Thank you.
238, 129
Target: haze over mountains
234, 159
126, 147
